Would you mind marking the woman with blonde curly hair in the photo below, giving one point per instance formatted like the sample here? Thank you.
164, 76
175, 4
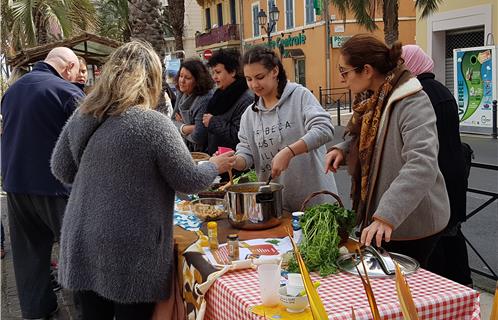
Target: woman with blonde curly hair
125, 161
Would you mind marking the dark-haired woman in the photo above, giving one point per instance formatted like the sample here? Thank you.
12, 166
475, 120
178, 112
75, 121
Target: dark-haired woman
194, 84
283, 134
230, 100
398, 190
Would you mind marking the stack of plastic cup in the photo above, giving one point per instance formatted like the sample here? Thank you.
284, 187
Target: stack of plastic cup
269, 283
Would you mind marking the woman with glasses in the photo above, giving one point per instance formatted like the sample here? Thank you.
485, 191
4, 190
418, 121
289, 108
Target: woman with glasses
284, 132
397, 189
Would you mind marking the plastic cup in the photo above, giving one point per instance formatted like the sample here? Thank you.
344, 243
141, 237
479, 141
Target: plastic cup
269, 283
295, 284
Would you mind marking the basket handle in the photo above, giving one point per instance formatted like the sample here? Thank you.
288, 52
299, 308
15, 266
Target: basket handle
314, 194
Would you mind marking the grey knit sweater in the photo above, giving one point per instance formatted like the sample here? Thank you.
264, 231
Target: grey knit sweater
117, 230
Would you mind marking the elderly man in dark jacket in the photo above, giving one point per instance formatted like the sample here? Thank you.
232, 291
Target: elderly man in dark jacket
34, 110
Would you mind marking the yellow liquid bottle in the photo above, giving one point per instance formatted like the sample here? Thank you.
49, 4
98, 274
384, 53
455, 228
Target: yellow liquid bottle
213, 235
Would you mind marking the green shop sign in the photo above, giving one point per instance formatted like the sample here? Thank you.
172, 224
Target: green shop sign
281, 43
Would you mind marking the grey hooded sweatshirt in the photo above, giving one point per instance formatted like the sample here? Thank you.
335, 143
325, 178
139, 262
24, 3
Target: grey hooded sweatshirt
262, 134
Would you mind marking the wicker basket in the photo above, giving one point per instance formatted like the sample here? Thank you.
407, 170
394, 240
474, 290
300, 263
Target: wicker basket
343, 233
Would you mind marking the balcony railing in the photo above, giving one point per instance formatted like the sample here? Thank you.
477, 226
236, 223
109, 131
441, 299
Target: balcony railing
221, 34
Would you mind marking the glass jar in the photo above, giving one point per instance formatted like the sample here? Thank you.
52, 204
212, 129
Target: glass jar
233, 246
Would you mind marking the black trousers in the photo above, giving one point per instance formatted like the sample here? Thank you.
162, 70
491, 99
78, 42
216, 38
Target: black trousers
419, 249
450, 258
95, 307
34, 224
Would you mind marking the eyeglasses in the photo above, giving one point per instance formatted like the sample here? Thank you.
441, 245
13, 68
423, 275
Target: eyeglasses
343, 72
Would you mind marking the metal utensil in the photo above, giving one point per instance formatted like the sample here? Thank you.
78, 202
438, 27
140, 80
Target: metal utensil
385, 260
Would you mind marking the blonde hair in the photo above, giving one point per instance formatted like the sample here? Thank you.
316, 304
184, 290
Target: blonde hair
131, 77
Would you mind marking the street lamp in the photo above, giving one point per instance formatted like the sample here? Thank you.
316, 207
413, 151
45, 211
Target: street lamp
270, 25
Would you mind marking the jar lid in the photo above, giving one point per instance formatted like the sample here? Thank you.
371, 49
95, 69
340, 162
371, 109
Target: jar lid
233, 236
297, 213
212, 225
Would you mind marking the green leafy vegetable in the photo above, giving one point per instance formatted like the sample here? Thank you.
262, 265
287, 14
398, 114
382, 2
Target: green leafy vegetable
322, 226
249, 176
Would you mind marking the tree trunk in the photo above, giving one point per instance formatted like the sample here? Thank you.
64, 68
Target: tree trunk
390, 18
176, 17
145, 24
41, 33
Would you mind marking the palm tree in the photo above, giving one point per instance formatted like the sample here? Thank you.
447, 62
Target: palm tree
114, 19
364, 12
146, 21
175, 18
28, 23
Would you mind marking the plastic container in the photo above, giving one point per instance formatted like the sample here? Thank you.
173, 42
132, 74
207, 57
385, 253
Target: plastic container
269, 284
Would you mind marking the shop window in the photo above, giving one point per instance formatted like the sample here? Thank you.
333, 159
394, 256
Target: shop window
300, 71
219, 10
310, 11
208, 18
255, 23
289, 14
233, 15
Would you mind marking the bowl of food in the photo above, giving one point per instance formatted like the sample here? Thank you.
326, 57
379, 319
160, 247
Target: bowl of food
293, 304
208, 209
199, 156
183, 207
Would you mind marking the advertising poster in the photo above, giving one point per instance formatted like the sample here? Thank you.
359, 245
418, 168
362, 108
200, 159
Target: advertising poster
475, 87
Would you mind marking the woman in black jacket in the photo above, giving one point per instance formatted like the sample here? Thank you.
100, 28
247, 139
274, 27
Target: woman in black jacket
449, 258
230, 100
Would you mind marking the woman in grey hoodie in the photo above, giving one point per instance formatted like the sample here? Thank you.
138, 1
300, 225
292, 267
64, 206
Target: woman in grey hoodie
284, 132
125, 161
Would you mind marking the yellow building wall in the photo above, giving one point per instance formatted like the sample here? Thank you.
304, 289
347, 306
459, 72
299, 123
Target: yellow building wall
456, 5
314, 48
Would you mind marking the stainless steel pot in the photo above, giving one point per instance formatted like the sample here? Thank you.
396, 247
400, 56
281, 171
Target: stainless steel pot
252, 209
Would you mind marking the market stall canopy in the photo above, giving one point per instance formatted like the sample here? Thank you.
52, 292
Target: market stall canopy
92, 47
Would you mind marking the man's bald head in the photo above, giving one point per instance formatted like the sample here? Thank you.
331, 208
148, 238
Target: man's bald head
65, 61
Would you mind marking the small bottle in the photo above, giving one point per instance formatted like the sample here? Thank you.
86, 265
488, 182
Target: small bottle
296, 226
213, 235
233, 246
204, 241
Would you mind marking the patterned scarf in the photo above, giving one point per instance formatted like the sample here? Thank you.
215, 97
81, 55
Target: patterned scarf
363, 127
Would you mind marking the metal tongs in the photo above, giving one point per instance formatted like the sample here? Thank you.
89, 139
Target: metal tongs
385, 260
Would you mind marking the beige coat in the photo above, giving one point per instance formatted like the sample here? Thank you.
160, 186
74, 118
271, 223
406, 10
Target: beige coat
409, 191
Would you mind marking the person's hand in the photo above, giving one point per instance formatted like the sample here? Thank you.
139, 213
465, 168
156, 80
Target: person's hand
206, 118
333, 160
378, 229
178, 117
281, 162
224, 162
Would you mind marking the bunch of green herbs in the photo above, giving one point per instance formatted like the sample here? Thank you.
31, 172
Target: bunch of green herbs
319, 247
249, 176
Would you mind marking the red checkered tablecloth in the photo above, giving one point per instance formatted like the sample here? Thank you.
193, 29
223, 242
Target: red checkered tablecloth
435, 297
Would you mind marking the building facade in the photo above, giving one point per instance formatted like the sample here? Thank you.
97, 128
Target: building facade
299, 35
457, 24
221, 26
302, 34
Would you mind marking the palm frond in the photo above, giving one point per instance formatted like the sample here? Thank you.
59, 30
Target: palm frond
427, 6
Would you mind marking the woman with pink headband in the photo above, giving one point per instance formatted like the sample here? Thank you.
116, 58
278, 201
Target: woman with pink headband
449, 258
